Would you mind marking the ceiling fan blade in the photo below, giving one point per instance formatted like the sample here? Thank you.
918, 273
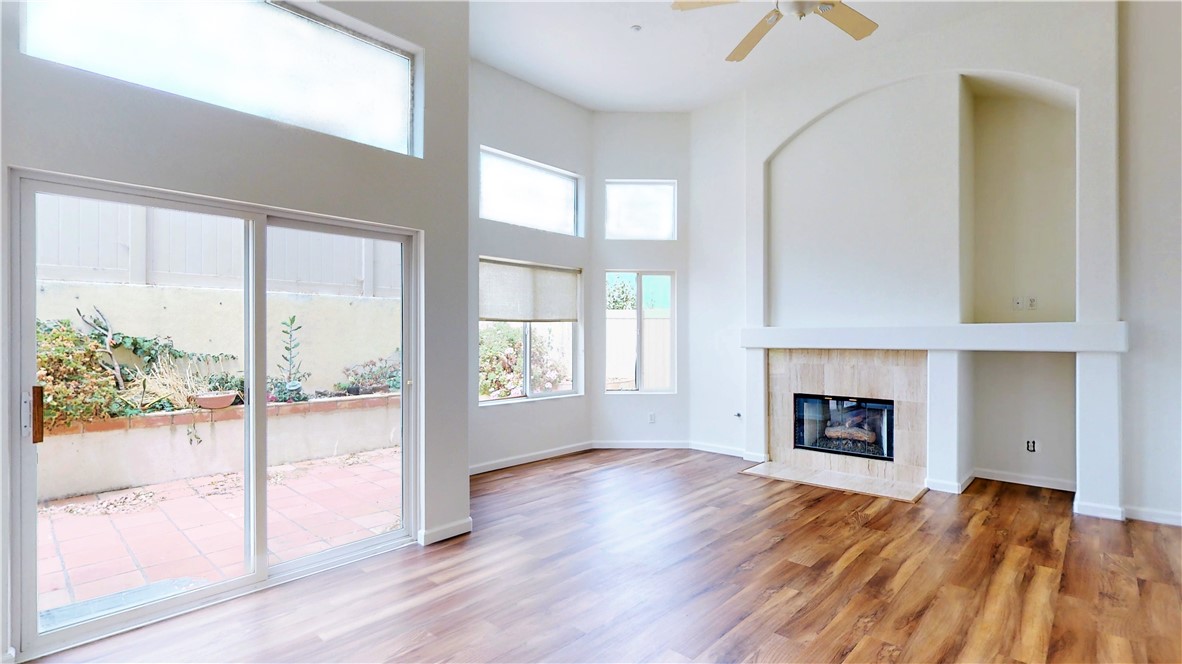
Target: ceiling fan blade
848, 19
757, 33
682, 5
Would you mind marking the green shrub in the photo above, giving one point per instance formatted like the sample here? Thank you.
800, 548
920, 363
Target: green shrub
384, 373
501, 372
78, 388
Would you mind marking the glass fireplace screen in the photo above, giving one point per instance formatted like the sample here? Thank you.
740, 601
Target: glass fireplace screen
845, 425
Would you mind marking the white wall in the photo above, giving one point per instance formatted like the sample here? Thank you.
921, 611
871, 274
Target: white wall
862, 212
1019, 397
651, 146
716, 360
509, 114
1024, 216
61, 119
1151, 265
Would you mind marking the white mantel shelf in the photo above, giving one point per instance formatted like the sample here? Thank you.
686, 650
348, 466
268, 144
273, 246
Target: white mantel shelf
1020, 337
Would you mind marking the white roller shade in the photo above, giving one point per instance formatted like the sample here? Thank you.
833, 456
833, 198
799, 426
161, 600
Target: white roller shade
513, 292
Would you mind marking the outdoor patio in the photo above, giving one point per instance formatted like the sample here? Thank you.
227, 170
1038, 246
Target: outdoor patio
157, 539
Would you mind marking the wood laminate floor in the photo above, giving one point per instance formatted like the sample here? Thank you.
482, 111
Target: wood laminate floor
674, 556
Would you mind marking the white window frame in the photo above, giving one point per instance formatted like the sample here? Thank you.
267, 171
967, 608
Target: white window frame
578, 225
673, 237
640, 388
343, 23
576, 379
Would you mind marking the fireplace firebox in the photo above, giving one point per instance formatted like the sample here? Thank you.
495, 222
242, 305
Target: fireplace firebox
845, 425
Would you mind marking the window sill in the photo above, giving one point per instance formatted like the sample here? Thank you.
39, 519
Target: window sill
640, 392
551, 397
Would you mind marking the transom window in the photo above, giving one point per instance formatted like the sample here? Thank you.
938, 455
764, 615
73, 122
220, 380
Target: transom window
515, 190
272, 60
640, 333
528, 330
641, 210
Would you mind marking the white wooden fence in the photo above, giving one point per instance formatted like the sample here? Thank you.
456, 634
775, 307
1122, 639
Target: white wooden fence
88, 240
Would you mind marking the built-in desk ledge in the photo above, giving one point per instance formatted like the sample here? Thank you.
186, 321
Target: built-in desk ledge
1030, 337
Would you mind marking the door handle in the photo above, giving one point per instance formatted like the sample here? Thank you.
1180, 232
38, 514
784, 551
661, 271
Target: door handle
38, 414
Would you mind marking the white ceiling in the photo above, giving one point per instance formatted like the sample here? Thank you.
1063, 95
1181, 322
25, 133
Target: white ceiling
588, 52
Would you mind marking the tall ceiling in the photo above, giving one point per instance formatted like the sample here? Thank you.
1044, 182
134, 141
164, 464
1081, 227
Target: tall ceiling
589, 52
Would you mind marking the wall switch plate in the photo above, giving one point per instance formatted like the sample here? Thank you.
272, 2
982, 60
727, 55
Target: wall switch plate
1018, 302
652, 418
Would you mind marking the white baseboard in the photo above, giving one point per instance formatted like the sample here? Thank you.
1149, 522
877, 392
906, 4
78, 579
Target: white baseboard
1021, 478
944, 486
1155, 515
757, 458
446, 531
1102, 511
527, 458
640, 444
719, 449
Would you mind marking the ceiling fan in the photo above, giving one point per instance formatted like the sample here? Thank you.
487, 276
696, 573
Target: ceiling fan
835, 11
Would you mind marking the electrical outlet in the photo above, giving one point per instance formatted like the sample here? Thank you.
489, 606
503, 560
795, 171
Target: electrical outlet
1018, 302
1031, 302
1031, 446
652, 418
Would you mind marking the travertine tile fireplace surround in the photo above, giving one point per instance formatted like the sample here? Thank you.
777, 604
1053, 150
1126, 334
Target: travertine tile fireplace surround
896, 375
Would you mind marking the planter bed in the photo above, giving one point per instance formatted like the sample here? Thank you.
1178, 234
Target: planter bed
107, 455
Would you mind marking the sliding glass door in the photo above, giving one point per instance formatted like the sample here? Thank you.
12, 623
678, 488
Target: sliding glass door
209, 397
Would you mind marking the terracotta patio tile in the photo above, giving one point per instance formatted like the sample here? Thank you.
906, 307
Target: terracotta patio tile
162, 549
194, 567
227, 559
301, 551
316, 518
376, 519
277, 526
48, 561
97, 571
50, 582
99, 552
74, 527
349, 538
291, 540
52, 600
334, 528
107, 586
123, 522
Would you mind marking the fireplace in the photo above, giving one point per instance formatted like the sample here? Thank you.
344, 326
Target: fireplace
845, 425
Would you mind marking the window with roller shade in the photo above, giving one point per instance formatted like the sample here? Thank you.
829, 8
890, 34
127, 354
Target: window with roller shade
528, 330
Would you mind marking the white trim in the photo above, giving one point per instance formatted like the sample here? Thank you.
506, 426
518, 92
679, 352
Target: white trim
713, 448
1101, 511
1022, 478
640, 444
1033, 337
520, 459
1155, 515
31, 642
446, 531
758, 458
942, 486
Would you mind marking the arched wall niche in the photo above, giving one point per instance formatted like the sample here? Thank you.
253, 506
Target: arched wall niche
871, 207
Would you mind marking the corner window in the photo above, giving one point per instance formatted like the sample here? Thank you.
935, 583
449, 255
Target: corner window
641, 210
272, 60
518, 191
528, 326
640, 332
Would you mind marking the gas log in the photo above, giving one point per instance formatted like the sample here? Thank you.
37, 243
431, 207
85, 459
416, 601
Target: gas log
851, 433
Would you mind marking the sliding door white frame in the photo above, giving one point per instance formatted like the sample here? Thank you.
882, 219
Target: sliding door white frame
20, 273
